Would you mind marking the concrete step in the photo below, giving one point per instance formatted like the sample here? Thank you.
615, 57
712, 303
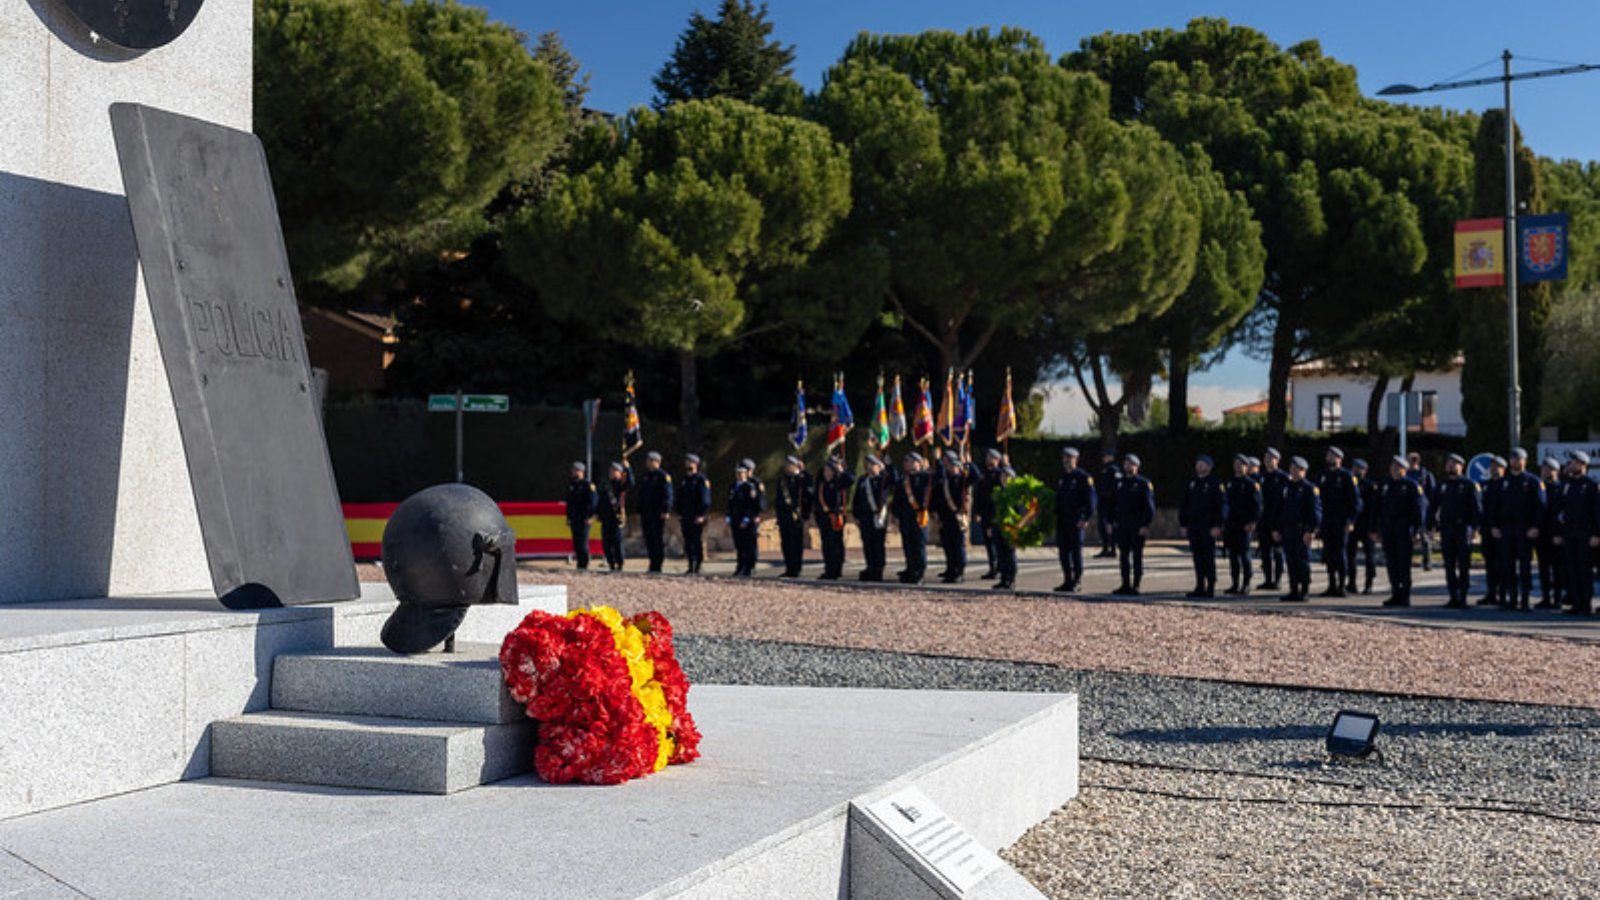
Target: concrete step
379, 753
465, 686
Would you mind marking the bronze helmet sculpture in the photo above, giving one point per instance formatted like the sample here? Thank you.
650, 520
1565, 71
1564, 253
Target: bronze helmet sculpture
445, 548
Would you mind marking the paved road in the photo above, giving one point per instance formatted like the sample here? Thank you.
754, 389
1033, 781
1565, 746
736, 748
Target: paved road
1168, 574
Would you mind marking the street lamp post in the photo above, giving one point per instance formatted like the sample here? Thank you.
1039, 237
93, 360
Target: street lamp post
1510, 258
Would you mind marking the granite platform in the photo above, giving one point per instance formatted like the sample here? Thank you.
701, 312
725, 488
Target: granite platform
99, 697
776, 807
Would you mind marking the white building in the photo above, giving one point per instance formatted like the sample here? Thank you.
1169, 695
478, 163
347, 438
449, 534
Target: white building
1323, 399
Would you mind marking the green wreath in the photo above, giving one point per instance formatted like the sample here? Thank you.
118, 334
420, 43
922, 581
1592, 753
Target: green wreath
1026, 511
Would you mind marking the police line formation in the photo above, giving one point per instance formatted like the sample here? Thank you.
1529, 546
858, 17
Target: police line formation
1519, 522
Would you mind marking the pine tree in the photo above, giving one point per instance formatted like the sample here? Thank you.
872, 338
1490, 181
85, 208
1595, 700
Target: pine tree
730, 56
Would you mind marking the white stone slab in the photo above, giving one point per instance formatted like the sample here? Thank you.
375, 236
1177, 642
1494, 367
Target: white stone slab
99, 697
763, 814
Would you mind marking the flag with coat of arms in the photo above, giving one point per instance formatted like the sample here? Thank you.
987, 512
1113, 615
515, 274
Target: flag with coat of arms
1007, 424
841, 420
947, 410
880, 419
922, 426
632, 433
797, 419
897, 413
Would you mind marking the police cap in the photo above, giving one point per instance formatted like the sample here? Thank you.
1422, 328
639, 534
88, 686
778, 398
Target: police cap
1551, 462
1133, 458
1518, 453
616, 467
952, 456
1273, 452
873, 460
653, 456
994, 454
1455, 458
914, 456
1205, 459
1578, 456
1336, 453
1401, 461
692, 458
1358, 464
1252, 461
1298, 462
746, 465
579, 467
792, 460
1070, 451
1499, 461
1242, 457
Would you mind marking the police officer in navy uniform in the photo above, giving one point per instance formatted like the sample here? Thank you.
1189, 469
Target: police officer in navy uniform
1341, 504
832, 506
952, 503
1244, 516
1202, 515
1552, 562
611, 510
1135, 509
793, 504
1458, 511
655, 504
870, 506
1579, 505
1299, 518
1110, 477
983, 524
1430, 492
1493, 579
1273, 480
694, 504
1076, 499
747, 499
1399, 519
999, 472
1366, 526
580, 509
913, 493
1518, 513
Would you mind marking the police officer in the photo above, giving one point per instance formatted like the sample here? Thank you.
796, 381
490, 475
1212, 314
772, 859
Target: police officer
1430, 492
1244, 516
997, 473
655, 504
952, 503
1341, 504
874, 492
794, 505
1493, 580
1299, 517
1402, 509
1366, 526
1135, 509
1273, 480
1552, 562
1579, 505
694, 504
833, 504
747, 499
1076, 500
913, 494
983, 524
1204, 510
580, 509
1110, 477
611, 510
1458, 511
1518, 513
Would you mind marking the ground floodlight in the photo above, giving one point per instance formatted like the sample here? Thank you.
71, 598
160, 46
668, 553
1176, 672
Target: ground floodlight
1353, 734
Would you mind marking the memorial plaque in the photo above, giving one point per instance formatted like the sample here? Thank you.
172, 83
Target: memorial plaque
217, 275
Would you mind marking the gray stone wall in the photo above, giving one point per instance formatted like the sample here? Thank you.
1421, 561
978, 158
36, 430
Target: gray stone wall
93, 485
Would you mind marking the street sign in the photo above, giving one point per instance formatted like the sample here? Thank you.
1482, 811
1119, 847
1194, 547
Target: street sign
469, 402
1478, 468
498, 403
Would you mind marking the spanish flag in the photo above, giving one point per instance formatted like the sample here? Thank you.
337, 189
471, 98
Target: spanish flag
1480, 253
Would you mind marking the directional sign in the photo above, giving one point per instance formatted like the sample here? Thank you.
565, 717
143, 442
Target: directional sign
486, 403
469, 403
1478, 468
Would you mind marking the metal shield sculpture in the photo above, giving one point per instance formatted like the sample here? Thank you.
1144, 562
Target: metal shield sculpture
217, 275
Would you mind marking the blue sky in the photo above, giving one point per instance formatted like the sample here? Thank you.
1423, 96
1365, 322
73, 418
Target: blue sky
622, 43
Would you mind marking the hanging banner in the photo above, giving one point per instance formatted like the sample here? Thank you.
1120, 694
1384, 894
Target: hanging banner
1542, 247
1480, 252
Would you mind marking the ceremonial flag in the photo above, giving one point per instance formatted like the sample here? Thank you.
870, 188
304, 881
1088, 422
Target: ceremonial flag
841, 420
632, 434
1542, 247
922, 426
1480, 252
1007, 424
947, 409
797, 419
897, 413
880, 419
959, 423
969, 410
